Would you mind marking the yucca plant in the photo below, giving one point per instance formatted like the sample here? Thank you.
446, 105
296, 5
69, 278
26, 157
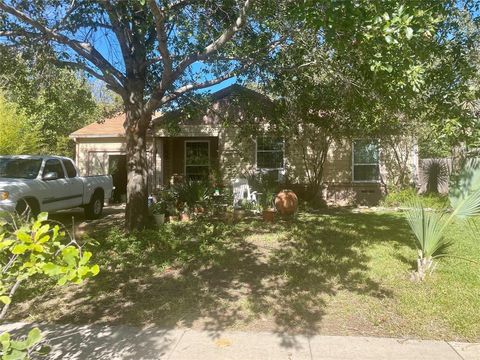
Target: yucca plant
429, 227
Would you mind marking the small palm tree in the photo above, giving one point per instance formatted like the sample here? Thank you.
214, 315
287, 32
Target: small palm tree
429, 227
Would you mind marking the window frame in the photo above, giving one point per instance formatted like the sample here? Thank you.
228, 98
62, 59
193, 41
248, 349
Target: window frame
270, 151
185, 156
378, 180
61, 166
70, 163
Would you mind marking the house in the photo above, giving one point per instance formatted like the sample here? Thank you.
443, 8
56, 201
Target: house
223, 138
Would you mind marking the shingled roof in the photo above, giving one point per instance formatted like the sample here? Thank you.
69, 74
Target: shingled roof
112, 127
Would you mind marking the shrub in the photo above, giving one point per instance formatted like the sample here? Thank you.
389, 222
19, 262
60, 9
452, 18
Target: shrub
33, 249
429, 227
406, 197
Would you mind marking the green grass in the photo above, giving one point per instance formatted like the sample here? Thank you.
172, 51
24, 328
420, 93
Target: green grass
334, 273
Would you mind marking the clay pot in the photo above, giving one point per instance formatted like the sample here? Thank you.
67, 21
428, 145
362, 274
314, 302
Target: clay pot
286, 202
184, 217
199, 210
268, 215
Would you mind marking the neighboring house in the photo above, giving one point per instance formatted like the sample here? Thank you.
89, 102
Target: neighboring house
356, 171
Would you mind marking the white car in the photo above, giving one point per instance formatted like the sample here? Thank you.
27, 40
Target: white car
50, 183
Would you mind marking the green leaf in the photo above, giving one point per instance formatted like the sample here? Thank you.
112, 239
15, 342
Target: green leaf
37, 248
19, 249
5, 336
408, 33
44, 350
44, 239
464, 193
95, 269
70, 254
34, 336
43, 216
428, 228
5, 299
40, 232
388, 39
19, 345
23, 236
52, 269
85, 257
15, 355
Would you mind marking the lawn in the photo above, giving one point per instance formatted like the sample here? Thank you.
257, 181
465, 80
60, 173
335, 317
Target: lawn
332, 273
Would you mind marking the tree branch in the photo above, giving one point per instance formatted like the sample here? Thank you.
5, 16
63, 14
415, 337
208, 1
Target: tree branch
120, 29
226, 36
162, 37
80, 66
84, 49
196, 86
158, 97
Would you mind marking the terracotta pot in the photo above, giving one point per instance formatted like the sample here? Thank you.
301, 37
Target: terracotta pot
184, 217
199, 210
286, 202
268, 215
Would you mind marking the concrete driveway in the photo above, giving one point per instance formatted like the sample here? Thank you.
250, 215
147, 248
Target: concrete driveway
112, 215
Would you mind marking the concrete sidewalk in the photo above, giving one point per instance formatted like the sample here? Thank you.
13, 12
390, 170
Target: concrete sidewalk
124, 342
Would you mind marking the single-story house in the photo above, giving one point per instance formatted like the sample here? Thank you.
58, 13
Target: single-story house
194, 146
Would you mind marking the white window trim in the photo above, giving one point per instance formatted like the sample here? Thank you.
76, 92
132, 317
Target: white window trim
353, 164
185, 155
272, 151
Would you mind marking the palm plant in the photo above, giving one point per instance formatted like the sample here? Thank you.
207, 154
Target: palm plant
429, 227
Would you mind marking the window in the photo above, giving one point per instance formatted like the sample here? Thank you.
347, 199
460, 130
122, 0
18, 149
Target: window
17, 168
54, 166
270, 153
71, 171
365, 160
197, 160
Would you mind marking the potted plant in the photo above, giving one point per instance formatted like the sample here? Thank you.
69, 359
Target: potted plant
229, 213
172, 211
159, 210
268, 212
185, 214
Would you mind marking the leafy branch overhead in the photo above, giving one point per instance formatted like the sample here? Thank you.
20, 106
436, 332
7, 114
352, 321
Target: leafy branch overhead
39, 249
29, 250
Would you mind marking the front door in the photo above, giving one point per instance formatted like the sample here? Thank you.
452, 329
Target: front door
117, 167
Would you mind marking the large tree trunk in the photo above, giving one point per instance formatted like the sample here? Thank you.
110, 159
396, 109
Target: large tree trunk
137, 168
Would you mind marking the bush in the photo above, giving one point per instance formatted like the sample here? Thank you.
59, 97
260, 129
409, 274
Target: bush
404, 198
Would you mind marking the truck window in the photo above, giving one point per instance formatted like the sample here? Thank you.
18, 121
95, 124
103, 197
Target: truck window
53, 165
71, 171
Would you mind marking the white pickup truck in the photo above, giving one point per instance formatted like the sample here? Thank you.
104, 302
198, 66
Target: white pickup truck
50, 183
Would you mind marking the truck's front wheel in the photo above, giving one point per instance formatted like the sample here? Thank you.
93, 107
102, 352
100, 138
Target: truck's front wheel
94, 209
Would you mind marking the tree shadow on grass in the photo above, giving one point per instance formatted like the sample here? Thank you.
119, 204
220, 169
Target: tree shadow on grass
214, 276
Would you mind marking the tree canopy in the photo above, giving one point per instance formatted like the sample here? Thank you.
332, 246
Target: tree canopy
378, 62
